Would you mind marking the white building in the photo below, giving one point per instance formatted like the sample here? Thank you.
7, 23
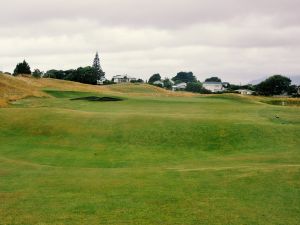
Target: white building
179, 87
214, 86
123, 79
159, 83
245, 92
101, 81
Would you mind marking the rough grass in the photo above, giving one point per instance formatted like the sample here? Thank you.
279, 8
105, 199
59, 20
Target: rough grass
284, 101
148, 160
14, 88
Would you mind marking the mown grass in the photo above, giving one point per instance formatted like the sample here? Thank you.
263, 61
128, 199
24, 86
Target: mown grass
149, 160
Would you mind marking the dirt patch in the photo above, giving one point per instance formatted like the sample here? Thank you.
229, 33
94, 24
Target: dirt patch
98, 99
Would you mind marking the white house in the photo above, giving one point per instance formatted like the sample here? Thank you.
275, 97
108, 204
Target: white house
123, 79
159, 83
179, 87
101, 81
245, 92
214, 86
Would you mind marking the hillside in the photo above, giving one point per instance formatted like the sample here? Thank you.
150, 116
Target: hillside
218, 159
150, 159
13, 88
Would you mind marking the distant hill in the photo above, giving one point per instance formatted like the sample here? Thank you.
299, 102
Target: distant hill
295, 80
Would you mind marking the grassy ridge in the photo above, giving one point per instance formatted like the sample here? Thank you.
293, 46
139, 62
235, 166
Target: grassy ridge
179, 160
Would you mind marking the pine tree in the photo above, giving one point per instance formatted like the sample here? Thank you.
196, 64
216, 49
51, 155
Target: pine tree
97, 67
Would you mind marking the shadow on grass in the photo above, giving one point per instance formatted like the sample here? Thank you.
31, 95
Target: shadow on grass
98, 99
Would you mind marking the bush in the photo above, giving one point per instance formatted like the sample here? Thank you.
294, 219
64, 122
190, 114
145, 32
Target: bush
139, 81
194, 87
108, 82
37, 73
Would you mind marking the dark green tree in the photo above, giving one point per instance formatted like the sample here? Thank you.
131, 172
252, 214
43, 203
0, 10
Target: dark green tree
56, 74
293, 90
275, 85
37, 73
234, 87
86, 75
168, 84
194, 87
154, 77
22, 68
213, 79
140, 81
97, 67
186, 77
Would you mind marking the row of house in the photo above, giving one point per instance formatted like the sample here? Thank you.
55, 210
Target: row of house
214, 87
211, 86
178, 87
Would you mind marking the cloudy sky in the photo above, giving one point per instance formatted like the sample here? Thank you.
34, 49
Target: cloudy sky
238, 40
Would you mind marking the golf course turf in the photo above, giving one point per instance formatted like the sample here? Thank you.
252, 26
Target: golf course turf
219, 159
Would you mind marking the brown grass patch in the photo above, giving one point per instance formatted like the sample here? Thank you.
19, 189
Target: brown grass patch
12, 88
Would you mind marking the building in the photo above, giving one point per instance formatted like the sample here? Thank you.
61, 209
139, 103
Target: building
159, 83
123, 79
214, 86
245, 92
226, 84
101, 81
179, 87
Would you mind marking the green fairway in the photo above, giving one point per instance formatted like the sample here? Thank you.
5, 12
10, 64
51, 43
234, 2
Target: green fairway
220, 160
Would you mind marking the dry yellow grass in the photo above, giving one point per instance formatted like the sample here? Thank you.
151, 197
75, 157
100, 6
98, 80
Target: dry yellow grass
14, 88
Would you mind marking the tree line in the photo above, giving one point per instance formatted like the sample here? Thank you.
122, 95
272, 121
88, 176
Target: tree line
86, 75
274, 85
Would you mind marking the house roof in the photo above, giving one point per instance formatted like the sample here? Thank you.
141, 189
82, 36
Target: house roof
119, 76
102, 79
244, 90
180, 85
123, 76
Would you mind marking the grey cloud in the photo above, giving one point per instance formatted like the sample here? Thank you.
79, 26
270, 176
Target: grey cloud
238, 40
163, 13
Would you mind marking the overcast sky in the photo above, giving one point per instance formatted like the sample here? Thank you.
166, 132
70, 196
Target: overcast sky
237, 40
